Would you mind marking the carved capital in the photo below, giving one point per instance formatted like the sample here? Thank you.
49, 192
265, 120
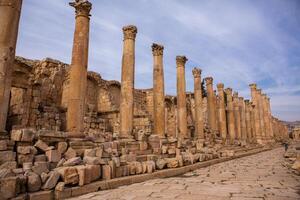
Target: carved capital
241, 98
228, 91
196, 72
157, 50
181, 60
208, 80
82, 7
235, 94
253, 86
220, 86
247, 101
259, 91
129, 32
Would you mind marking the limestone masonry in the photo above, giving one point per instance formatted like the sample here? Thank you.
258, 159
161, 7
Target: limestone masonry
62, 126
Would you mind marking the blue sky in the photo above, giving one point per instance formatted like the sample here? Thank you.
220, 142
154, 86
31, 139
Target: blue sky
236, 42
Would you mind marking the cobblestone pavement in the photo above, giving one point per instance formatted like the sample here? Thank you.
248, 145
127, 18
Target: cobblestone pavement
260, 176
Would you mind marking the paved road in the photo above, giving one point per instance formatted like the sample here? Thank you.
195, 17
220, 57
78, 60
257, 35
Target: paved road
261, 176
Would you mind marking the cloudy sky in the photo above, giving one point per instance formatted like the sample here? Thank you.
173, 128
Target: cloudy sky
237, 42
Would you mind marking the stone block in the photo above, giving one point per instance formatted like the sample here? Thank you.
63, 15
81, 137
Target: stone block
106, 172
3, 145
40, 158
26, 150
70, 153
44, 177
9, 187
6, 156
93, 160
9, 165
27, 166
90, 153
25, 158
40, 167
161, 163
53, 155
41, 145
61, 162
138, 168
69, 175
62, 147
52, 180
27, 135
16, 135
34, 182
42, 195
172, 162
73, 162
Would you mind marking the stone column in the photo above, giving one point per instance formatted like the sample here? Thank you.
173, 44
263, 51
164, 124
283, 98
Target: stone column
199, 127
158, 91
127, 82
10, 11
222, 111
230, 114
261, 114
243, 119
181, 98
78, 70
266, 116
248, 120
252, 115
211, 104
237, 116
270, 118
256, 112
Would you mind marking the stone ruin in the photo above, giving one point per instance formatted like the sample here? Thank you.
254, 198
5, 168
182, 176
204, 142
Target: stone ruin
62, 126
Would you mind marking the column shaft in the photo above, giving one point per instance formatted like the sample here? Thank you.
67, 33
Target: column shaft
181, 97
248, 120
261, 114
211, 104
10, 11
255, 102
237, 116
230, 114
127, 82
199, 130
158, 90
243, 119
222, 111
78, 70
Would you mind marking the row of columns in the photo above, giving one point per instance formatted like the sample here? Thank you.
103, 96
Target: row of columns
230, 115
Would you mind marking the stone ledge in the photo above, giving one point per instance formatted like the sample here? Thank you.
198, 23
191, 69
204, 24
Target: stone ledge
165, 173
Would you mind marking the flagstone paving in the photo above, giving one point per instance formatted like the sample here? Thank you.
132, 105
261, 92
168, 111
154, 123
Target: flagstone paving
260, 176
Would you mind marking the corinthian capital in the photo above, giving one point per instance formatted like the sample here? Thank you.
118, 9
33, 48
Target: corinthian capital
82, 7
208, 80
157, 50
181, 60
253, 86
220, 86
228, 91
129, 32
197, 72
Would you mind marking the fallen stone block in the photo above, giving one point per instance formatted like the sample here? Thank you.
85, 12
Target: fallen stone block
9, 187
40, 167
6, 156
52, 180
69, 175
26, 150
53, 155
138, 168
25, 158
41, 146
34, 182
93, 160
62, 147
89, 153
160, 163
61, 162
73, 162
9, 165
40, 158
172, 162
5, 173
70, 153
44, 177
27, 166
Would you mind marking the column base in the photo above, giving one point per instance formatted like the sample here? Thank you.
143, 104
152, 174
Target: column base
4, 135
75, 135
